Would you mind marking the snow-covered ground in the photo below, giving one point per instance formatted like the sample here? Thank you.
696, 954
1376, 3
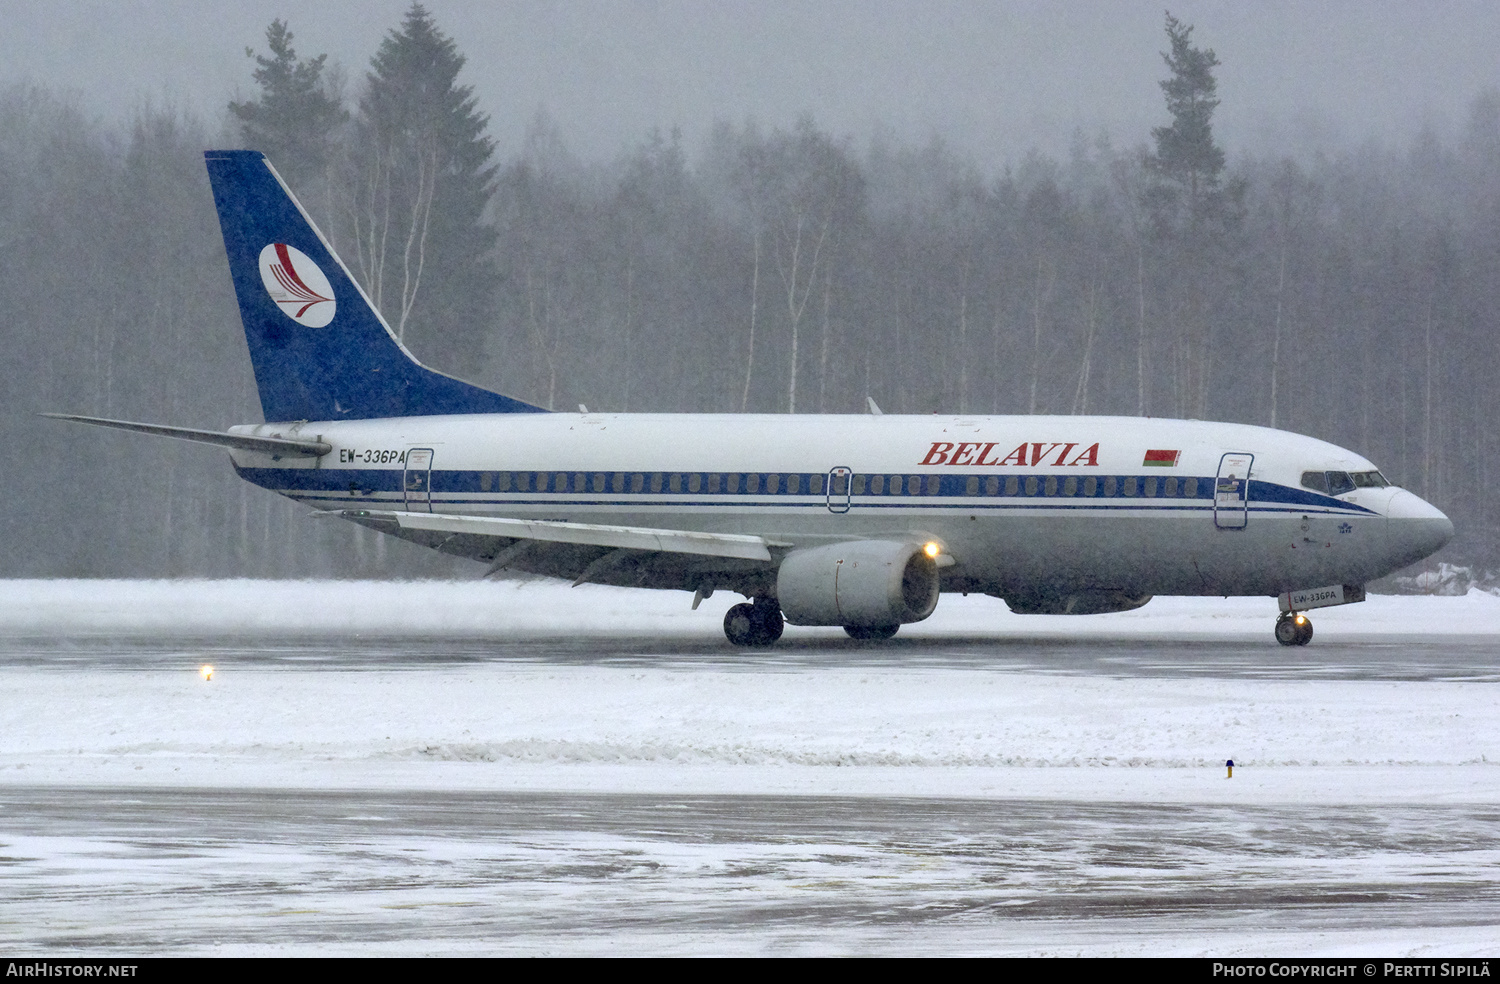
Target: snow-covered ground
551, 609
809, 726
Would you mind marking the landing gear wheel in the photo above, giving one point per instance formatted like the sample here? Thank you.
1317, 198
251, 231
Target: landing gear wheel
871, 631
738, 626
1294, 629
766, 615
759, 624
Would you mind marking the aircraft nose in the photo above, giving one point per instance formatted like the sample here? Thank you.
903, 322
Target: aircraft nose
1416, 527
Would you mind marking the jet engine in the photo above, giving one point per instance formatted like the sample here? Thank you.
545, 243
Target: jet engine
861, 583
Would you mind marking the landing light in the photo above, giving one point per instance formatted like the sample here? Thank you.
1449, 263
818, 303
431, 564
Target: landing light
206, 671
932, 550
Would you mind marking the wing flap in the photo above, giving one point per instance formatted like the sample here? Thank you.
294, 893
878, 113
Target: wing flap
738, 545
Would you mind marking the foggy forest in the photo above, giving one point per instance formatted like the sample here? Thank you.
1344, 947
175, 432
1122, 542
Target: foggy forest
1349, 295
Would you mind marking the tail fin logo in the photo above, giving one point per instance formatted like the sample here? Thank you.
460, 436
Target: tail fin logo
297, 285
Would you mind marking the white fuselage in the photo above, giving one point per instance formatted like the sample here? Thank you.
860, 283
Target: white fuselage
1113, 504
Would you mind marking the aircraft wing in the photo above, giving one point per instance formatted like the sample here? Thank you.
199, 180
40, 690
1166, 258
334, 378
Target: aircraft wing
742, 546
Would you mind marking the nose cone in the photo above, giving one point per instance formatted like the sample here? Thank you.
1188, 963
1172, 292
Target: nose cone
1416, 528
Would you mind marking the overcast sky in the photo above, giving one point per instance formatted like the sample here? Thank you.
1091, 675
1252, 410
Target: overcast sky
993, 78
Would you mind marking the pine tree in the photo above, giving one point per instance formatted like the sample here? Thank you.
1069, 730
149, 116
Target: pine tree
423, 180
296, 120
1193, 210
1188, 165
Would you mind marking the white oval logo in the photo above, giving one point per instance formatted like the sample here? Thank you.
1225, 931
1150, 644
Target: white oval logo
297, 285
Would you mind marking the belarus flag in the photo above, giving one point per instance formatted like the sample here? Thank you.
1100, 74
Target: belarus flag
1161, 459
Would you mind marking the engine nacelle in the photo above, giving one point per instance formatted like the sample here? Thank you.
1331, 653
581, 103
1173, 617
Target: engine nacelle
861, 583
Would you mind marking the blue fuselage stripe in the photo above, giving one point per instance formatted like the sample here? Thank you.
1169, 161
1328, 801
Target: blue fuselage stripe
1029, 491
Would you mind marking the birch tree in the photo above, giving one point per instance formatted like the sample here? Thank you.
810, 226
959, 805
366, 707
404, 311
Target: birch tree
420, 179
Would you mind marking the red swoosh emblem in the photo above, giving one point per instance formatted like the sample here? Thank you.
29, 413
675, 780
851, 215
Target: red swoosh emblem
286, 275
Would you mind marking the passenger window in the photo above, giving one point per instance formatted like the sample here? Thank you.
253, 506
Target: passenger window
1012, 485
674, 484
1111, 486
793, 484
1070, 485
656, 481
859, 485
773, 484
877, 485
1171, 488
1317, 481
617, 482
914, 485
1339, 483
598, 483
992, 485
1130, 487
502, 481
637, 482
1190, 488
541, 481
1031, 485
523, 480
1151, 487
695, 482
1091, 486
1051, 488
484, 481
971, 487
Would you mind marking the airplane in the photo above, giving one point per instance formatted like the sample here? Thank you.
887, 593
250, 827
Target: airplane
859, 521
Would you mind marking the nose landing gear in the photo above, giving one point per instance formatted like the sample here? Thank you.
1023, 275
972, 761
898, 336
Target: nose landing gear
1294, 629
758, 624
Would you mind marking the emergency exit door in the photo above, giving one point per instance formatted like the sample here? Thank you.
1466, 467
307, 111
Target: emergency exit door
838, 489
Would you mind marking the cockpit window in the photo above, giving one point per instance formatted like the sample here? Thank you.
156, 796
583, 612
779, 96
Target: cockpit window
1339, 483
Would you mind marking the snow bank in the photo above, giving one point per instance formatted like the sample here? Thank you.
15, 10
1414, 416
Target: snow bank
550, 609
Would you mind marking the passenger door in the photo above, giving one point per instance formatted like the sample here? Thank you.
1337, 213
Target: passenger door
1232, 491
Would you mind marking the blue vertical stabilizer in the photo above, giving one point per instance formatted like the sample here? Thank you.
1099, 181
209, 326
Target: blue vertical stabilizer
320, 349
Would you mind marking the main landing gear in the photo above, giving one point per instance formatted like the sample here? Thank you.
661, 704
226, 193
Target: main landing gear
757, 624
1293, 629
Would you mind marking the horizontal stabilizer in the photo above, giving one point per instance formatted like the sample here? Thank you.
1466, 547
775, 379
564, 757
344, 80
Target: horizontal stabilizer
283, 447
742, 546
